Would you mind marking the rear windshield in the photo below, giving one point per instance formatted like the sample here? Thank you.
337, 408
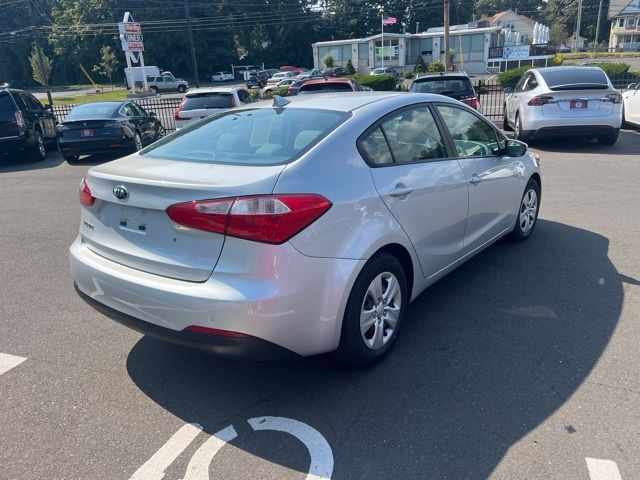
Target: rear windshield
92, 111
327, 87
443, 86
265, 136
575, 78
208, 100
6, 105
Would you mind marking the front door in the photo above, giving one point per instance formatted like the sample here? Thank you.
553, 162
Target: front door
492, 176
424, 189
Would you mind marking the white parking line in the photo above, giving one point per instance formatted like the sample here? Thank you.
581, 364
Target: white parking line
160, 461
7, 362
602, 469
319, 449
198, 468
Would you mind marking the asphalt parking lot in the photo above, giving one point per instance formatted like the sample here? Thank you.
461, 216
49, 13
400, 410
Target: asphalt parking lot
520, 365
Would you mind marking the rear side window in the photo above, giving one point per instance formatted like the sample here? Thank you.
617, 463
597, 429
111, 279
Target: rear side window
443, 86
20, 102
208, 100
265, 136
6, 105
575, 78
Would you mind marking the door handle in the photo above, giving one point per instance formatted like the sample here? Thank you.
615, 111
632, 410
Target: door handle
475, 179
400, 191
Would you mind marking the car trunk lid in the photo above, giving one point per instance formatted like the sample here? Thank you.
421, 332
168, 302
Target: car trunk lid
578, 104
137, 232
88, 128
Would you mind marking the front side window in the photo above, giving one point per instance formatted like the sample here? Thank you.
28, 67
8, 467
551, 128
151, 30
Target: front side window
128, 110
472, 136
264, 136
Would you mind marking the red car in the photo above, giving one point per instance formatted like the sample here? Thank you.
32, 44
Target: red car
327, 84
296, 70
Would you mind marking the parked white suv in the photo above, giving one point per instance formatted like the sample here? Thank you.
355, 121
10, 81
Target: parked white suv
202, 102
166, 82
278, 77
564, 101
222, 77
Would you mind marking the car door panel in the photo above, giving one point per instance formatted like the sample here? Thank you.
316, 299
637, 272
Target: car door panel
424, 190
632, 106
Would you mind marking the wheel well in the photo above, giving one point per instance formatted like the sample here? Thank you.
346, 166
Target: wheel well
538, 180
404, 257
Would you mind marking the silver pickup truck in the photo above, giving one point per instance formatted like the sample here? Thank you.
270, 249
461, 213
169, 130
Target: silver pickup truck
166, 82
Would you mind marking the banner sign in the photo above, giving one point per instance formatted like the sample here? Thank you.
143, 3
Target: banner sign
516, 52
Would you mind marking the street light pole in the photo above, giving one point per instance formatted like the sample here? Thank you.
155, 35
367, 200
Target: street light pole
446, 35
45, 74
194, 62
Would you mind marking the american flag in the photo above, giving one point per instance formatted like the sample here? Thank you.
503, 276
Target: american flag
389, 20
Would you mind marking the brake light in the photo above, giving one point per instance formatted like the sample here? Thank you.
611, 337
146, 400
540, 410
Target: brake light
472, 102
260, 218
614, 97
540, 100
19, 119
86, 198
233, 102
176, 115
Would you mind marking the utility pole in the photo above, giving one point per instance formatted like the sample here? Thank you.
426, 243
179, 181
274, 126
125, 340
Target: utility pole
446, 35
194, 62
45, 75
577, 34
595, 43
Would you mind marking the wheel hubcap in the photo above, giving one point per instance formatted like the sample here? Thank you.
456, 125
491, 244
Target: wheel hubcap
528, 211
41, 148
380, 311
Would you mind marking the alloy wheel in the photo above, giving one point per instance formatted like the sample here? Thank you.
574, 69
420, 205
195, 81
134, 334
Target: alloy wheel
380, 311
40, 144
528, 211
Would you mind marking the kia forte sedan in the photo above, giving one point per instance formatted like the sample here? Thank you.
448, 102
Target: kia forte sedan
301, 226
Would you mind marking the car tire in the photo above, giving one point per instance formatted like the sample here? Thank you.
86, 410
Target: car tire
154, 90
505, 121
71, 158
527, 216
382, 274
610, 139
182, 89
137, 142
39, 151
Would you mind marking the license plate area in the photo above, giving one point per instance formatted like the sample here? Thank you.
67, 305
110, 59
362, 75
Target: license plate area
86, 132
579, 104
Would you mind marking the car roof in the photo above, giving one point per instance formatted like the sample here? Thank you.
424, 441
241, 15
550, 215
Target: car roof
328, 81
430, 76
111, 104
568, 67
197, 91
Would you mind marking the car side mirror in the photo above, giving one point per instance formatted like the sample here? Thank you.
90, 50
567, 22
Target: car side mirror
508, 90
515, 148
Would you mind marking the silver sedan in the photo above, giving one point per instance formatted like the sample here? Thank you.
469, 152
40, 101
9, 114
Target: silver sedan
301, 226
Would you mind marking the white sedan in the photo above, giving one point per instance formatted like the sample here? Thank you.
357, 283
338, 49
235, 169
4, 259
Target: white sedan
222, 77
631, 100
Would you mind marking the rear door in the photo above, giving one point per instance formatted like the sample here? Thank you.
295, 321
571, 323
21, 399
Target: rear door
424, 189
492, 176
8, 124
147, 123
45, 118
513, 101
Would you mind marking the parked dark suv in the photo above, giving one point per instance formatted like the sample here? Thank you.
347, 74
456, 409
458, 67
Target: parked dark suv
25, 125
454, 85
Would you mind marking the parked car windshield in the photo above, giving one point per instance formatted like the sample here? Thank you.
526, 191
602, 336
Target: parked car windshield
92, 111
575, 78
265, 136
208, 100
326, 87
443, 85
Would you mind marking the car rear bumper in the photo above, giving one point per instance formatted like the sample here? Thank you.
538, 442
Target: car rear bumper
276, 295
535, 124
571, 131
93, 146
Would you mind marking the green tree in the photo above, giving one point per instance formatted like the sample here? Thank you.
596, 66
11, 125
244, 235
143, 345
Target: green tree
108, 63
420, 66
40, 73
557, 34
348, 69
487, 8
327, 60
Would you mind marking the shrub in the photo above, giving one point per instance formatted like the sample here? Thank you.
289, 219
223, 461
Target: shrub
511, 77
384, 82
408, 75
282, 91
327, 60
420, 66
557, 60
613, 69
348, 69
436, 66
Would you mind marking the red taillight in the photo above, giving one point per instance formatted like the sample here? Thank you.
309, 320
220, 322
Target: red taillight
614, 97
215, 331
86, 198
20, 119
176, 115
233, 102
540, 100
261, 218
472, 102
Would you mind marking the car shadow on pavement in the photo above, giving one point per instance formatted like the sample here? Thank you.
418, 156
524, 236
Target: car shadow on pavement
628, 144
485, 355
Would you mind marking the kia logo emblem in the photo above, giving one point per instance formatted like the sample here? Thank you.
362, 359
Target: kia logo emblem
120, 192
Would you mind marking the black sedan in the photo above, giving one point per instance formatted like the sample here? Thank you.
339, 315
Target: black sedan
106, 128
